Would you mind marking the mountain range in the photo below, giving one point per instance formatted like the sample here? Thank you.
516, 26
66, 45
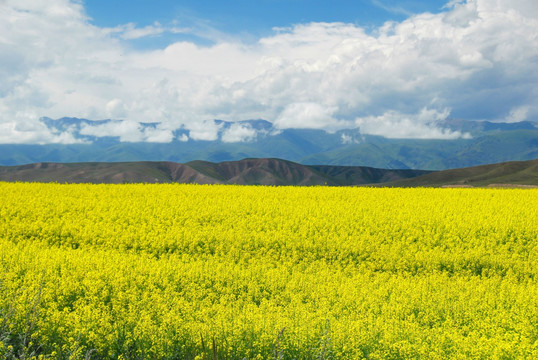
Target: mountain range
243, 172
483, 143
271, 172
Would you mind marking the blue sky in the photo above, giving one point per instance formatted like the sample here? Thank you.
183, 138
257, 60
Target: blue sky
210, 21
395, 69
254, 18
248, 18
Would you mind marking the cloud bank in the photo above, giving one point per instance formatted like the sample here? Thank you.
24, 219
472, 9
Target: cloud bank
477, 59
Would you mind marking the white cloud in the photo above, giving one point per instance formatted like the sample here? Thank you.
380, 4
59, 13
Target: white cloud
128, 131
518, 114
157, 135
422, 125
238, 133
461, 14
116, 109
309, 115
392, 9
478, 58
130, 31
205, 130
21, 131
349, 139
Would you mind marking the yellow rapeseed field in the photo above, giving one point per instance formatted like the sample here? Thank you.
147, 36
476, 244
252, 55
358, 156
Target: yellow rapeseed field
233, 272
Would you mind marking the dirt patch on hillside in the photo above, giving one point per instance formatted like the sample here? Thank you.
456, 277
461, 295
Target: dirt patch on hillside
515, 186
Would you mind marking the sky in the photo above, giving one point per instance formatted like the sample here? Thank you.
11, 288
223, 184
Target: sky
395, 69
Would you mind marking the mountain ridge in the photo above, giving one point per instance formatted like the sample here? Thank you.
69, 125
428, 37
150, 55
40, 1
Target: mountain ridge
506, 174
271, 171
487, 143
265, 171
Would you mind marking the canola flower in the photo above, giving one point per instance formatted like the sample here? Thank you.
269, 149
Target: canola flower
237, 272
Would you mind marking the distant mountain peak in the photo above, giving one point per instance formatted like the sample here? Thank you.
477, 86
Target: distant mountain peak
105, 140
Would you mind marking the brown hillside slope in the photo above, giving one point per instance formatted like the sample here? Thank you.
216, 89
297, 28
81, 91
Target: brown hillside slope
245, 172
511, 174
262, 172
111, 173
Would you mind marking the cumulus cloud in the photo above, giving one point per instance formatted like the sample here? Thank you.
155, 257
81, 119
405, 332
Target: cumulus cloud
116, 109
477, 58
129, 131
422, 125
23, 131
518, 114
309, 116
238, 133
205, 130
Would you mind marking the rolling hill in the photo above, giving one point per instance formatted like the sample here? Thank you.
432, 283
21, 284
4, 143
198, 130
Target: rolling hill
271, 172
507, 174
244, 172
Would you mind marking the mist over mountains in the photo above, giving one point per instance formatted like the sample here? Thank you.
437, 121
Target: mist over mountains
476, 143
